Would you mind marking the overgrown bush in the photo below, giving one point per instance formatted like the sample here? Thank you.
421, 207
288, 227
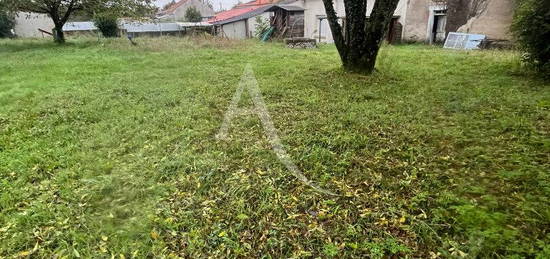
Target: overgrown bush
262, 26
7, 23
107, 25
193, 15
532, 29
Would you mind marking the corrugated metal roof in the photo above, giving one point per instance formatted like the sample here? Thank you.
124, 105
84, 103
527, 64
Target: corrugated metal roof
235, 14
255, 11
194, 24
290, 8
79, 26
150, 27
249, 10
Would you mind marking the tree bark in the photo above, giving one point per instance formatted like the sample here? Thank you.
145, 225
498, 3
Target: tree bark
59, 35
59, 17
359, 41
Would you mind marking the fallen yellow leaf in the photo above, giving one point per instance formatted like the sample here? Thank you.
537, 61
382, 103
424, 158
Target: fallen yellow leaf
154, 235
24, 253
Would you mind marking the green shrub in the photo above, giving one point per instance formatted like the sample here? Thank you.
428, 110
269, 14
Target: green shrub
193, 15
262, 26
7, 22
107, 25
532, 29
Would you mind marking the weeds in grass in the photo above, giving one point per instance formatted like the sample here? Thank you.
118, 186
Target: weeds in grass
110, 150
164, 44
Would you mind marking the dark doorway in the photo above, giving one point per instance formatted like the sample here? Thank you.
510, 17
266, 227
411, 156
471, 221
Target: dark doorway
395, 31
438, 28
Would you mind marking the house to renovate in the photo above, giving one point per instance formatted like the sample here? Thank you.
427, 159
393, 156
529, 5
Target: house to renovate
241, 21
32, 25
175, 12
414, 20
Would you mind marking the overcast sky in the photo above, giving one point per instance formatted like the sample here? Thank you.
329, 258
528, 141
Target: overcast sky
226, 4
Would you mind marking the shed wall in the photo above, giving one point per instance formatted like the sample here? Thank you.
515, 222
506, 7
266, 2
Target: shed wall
234, 30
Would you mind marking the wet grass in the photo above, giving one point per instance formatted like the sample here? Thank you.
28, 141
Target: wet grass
108, 150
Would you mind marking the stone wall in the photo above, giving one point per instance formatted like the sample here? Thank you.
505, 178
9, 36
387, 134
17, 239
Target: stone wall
27, 24
494, 22
415, 27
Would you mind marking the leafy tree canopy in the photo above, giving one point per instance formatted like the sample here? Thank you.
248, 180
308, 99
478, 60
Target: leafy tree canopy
532, 29
193, 15
7, 23
60, 11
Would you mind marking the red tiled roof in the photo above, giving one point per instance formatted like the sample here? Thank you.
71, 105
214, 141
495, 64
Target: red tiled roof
240, 9
172, 8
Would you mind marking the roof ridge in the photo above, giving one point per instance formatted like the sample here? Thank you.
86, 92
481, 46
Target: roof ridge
241, 10
172, 8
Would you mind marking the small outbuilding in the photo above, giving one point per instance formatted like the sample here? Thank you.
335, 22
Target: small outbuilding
241, 21
137, 29
80, 29
288, 20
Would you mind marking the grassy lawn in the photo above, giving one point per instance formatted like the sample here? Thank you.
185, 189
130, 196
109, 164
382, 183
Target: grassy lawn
110, 150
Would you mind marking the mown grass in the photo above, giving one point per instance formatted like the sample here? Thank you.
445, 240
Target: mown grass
110, 150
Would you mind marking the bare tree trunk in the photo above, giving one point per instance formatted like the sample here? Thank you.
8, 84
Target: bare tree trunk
355, 37
376, 29
59, 19
358, 46
58, 35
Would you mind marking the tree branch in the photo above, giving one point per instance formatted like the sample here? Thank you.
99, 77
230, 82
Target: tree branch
67, 14
335, 27
379, 21
356, 20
